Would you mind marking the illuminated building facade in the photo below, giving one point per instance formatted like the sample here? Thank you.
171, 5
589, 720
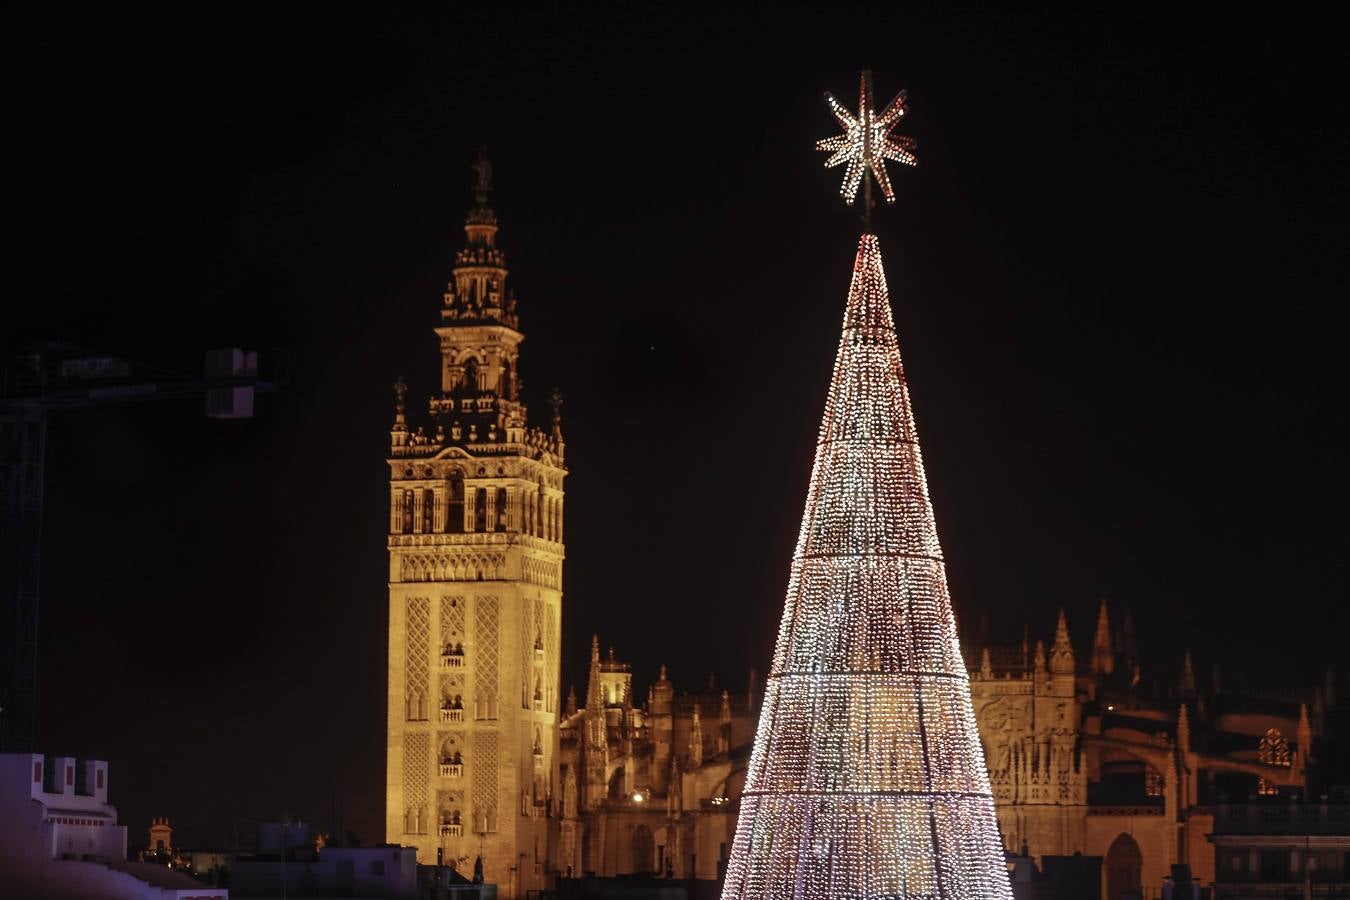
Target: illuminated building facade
475, 591
1089, 759
651, 787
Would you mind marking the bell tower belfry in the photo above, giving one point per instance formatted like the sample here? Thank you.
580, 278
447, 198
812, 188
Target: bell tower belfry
475, 590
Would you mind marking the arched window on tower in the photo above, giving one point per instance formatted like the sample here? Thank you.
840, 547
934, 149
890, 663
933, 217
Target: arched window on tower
539, 512
501, 509
454, 516
428, 511
471, 374
480, 510
407, 512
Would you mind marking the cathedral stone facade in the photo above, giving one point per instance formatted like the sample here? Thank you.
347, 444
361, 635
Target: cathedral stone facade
475, 593
1091, 759
654, 786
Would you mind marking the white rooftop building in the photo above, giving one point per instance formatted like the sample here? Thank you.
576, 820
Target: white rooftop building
59, 837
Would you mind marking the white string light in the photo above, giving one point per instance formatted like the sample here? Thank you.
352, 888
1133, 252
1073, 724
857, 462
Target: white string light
867, 142
867, 778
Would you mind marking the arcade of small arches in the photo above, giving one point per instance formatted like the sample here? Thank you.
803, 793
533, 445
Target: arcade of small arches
456, 509
453, 567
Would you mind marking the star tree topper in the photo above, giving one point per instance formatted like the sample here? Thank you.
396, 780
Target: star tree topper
867, 143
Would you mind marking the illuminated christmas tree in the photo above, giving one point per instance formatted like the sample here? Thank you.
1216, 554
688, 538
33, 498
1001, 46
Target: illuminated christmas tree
867, 778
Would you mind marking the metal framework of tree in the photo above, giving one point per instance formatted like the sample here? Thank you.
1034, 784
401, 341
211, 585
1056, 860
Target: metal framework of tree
867, 778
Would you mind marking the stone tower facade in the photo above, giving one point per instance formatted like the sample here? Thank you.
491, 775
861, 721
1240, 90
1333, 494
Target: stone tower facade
475, 592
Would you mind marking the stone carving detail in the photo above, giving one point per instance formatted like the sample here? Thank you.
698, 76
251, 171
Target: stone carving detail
416, 654
480, 566
452, 691
485, 620
485, 781
527, 623
543, 616
541, 572
451, 743
415, 770
452, 621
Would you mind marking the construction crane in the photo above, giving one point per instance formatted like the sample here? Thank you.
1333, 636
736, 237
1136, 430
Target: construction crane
57, 377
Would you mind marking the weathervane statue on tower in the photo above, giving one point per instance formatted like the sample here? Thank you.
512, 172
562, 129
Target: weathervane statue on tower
482, 177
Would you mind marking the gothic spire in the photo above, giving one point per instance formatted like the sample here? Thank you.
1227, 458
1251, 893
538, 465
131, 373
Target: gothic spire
595, 694
1061, 652
1187, 683
695, 740
1183, 730
1103, 660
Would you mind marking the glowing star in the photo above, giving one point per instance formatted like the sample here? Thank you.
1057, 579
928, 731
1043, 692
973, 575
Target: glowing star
867, 142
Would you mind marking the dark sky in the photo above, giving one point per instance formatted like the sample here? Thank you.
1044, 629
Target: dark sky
1116, 273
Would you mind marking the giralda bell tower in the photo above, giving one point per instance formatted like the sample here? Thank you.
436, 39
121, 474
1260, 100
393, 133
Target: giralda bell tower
475, 591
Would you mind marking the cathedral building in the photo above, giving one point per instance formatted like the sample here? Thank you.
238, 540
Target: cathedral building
475, 591
1085, 758
651, 787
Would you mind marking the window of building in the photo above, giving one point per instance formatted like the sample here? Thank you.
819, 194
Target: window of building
539, 513
1273, 749
454, 516
428, 511
407, 512
501, 509
480, 510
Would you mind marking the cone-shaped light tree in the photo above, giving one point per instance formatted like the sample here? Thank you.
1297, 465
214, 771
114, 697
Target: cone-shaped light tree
867, 778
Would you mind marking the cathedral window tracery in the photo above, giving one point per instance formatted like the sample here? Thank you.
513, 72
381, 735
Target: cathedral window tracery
1273, 749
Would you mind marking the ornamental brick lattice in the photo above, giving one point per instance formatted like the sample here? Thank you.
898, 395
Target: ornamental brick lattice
867, 778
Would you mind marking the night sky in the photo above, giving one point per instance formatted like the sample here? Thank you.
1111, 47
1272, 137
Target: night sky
1116, 274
